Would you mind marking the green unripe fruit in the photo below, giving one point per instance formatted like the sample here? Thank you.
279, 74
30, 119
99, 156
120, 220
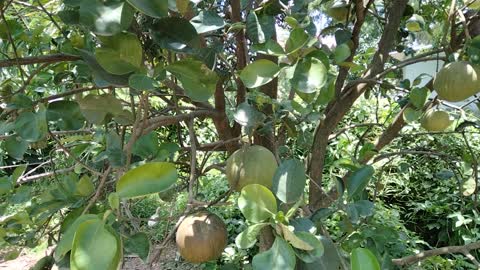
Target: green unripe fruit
251, 165
457, 81
435, 121
201, 237
415, 23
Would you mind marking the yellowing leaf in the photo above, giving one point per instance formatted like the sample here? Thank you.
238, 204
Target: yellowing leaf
293, 239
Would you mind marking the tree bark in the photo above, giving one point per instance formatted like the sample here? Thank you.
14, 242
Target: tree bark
339, 107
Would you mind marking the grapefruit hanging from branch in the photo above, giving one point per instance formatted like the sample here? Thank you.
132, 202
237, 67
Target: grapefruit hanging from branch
251, 165
457, 81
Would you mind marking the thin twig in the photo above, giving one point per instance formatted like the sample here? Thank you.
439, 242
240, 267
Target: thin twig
69, 153
99, 190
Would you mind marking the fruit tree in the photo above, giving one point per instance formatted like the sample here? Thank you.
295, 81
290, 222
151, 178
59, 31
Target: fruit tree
294, 110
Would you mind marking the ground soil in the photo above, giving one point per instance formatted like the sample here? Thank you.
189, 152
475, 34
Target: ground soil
168, 261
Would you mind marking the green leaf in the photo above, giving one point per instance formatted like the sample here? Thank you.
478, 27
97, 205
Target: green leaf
328, 261
341, 53
100, 75
95, 247
138, 244
310, 75
114, 200
363, 259
44, 263
259, 73
313, 241
411, 115
147, 179
271, 47
96, 107
279, 257
152, 8
207, 21
418, 97
16, 147
257, 203
176, 34
5, 185
289, 181
30, 126
247, 116
146, 146
18, 172
359, 179
66, 240
248, 237
260, 28
297, 39
85, 186
197, 79
66, 114
114, 150
20, 101
120, 54
327, 93
141, 82
106, 18
6, 127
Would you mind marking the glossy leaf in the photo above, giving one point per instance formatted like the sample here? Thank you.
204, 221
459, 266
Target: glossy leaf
16, 147
289, 181
95, 247
418, 96
66, 240
248, 237
5, 185
411, 115
359, 179
207, 21
106, 19
260, 28
30, 126
363, 259
100, 75
257, 203
341, 53
152, 8
176, 34
197, 79
310, 75
297, 39
259, 73
66, 114
85, 186
138, 244
114, 200
328, 261
120, 54
96, 107
147, 179
141, 82
317, 247
279, 257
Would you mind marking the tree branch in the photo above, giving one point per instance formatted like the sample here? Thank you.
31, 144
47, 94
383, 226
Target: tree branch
409, 260
52, 58
338, 108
